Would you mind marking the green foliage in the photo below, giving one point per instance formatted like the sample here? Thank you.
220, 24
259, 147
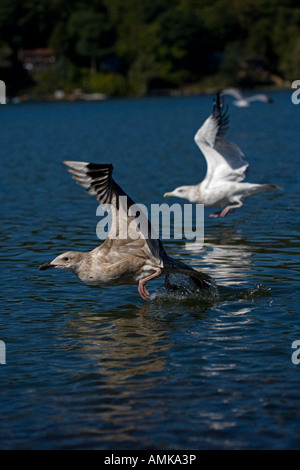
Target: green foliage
112, 84
62, 76
138, 46
88, 29
5, 54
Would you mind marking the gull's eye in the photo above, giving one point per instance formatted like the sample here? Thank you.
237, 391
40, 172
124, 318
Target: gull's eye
66, 258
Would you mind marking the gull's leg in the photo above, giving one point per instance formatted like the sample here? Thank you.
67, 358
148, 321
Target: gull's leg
215, 214
142, 284
229, 208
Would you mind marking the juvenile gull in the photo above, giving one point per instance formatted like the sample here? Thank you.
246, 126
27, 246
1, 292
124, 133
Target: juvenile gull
241, 101
118, 260
226, 167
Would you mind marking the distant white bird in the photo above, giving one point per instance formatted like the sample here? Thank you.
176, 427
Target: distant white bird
241, 101
226, 166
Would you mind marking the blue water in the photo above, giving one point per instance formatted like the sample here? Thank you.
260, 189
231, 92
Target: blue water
99, 368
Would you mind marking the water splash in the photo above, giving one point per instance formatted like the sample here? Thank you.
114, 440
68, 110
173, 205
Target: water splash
183, 290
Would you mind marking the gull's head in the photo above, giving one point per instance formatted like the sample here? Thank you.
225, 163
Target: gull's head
184, 192
70, 261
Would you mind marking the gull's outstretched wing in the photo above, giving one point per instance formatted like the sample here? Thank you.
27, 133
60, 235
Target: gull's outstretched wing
98, 181
225, 160
126, 232
260, 97
234, 92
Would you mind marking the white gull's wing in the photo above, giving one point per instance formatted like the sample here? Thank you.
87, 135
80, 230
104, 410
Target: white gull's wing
260, 97
225, 160
98, 181
234, 93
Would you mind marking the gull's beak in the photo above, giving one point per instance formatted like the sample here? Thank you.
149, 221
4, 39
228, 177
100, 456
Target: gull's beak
46, 266
167, 194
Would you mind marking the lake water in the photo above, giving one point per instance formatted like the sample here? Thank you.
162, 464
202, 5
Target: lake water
99, 368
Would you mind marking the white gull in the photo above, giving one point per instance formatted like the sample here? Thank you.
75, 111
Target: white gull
118, 260
226, 167
243, 102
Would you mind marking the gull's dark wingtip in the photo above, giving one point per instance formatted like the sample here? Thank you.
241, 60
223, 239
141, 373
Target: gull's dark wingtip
220, 112
219, 104
87, 166
96, 178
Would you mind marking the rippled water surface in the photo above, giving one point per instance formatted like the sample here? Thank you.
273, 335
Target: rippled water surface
99, 368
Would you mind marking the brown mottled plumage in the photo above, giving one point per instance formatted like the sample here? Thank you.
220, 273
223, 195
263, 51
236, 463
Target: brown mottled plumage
132, 260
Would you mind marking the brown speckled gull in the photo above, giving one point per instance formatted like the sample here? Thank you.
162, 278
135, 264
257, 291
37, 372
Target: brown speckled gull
119, 260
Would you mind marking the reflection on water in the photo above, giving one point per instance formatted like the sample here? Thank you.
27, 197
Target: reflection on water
128, 354
124, 347
99, 368
226, 252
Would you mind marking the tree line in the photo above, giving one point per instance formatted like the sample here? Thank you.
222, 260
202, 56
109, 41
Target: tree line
136, 47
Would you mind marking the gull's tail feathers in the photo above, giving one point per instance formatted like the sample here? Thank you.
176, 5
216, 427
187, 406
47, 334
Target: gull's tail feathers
200, 280
261, 188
